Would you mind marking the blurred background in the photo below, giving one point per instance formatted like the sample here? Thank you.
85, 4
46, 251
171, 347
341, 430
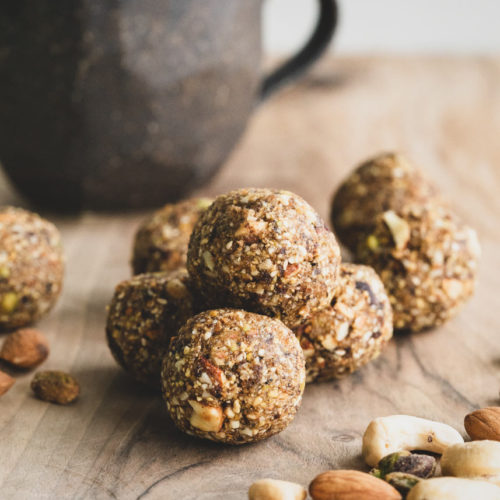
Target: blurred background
128, 105
389, 26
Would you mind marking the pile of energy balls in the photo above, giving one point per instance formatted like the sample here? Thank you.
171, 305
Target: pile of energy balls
237, 303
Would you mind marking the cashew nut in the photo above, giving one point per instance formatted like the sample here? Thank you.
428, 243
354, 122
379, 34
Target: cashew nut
398, 227
453, 488
274, 489
206, 418
386, 435
477, 459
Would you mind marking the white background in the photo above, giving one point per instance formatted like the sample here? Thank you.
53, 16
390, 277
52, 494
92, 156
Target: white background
390, 26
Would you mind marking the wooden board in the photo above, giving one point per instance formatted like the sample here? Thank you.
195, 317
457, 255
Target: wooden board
117, 442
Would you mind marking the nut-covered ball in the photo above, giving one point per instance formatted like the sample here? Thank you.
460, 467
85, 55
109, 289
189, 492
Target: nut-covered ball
427, 259
161, 242
31, 267
352, 330
145, 312
233, 376
266, 251
387, 182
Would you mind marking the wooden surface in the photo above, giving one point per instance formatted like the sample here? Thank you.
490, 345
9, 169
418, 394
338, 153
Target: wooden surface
117, 442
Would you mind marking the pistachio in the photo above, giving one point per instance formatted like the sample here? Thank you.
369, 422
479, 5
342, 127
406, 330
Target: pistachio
372, 242
9, 302
55, 387
402, 481
419, 465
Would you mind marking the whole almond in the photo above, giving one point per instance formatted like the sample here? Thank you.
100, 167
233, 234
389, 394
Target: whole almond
351, 485
484, 424
25, 348
6, 382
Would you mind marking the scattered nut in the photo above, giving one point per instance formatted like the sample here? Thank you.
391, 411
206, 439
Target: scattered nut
422, 466
453, 488
476, 459
351, 485
386, 435
55, 387
25, 348
6, 382
484, 424
402, 481
274, 489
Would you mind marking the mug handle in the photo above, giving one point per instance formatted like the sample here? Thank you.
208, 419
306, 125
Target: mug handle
314, 48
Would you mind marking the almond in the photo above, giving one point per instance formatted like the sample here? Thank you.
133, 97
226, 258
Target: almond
25, 348
351, 485
484, 424
6, 382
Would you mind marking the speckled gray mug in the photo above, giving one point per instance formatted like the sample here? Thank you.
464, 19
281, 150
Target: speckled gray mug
115, 104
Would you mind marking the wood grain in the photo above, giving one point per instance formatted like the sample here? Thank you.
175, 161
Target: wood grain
117, 441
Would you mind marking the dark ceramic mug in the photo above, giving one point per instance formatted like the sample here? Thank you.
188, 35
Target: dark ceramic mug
130, 103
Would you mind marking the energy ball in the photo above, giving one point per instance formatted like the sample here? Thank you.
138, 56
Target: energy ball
233, 376
427, 259
350, 332
161, 242
145, 312
31, 267
265, 251
387, 182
